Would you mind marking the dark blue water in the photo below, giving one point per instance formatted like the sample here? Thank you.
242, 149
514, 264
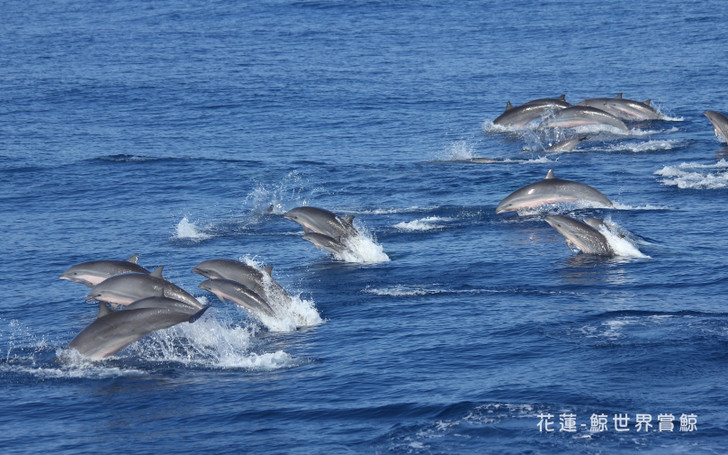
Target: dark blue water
184, 131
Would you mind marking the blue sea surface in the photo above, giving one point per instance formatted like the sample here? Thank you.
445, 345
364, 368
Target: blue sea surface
183, 131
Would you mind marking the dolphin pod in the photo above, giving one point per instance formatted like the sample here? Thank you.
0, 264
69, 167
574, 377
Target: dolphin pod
324, 229
720, 124
244, 285
551, 190
259, 281
149, 302
580, 236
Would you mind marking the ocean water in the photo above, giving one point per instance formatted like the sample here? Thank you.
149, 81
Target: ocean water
183, 131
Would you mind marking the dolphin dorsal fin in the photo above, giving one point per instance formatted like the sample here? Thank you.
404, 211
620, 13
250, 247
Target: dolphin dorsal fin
647, 102
157, 273
268, 270
562, 97
509, 106
550, 175
619, 96
348, 219
103, 310
134, 259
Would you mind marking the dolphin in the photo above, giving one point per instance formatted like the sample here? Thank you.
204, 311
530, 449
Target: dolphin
115, 330
566, 145
94, 272
325, 242
720, 124
519, 117
127, 288
259, 281
576, 116
160, 301
624, 109
580, 236
238, 293
322, 221
550, 190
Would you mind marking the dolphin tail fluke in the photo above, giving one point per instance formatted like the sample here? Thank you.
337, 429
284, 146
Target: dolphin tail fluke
198, 315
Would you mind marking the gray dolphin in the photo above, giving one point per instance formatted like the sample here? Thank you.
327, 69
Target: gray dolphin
720, 124
94, 272
322, 221
550, 190
580, 235
518, 117
127, 288
566, 145
238, 293
576, 116
160, 301
115, 330
259, 281
624, 109
325, 242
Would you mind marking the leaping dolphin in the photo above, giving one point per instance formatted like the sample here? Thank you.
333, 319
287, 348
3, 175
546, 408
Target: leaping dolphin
322, 221
624, 109
720, 124
94, 272
238, 293
580, 236
259, 281
115, 330
550, 190
127, 288
160, 301
519, 117
325, 242
567, 145
576, 116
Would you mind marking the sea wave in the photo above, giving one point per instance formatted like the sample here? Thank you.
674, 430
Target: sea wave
696, 175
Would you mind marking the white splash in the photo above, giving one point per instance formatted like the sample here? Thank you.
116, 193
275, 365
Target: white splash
423, 224
272, 198
291, 311
458, 151
696, 175
402, 290
492, 128
362, 248
187, 230
620, 240
210, 342
647, 146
